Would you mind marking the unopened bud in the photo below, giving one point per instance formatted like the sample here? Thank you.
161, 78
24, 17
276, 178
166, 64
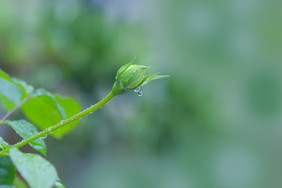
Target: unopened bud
131, 76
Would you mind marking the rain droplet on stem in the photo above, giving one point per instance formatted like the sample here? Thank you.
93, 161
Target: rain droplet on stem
44, 137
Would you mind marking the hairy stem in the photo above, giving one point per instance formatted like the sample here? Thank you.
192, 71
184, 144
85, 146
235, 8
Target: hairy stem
14, 109
67, 121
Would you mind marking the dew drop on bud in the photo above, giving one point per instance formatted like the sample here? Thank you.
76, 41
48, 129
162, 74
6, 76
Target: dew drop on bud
137, 89
140, 93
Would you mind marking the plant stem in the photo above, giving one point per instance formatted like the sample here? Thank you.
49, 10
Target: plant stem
67, 121
14, 109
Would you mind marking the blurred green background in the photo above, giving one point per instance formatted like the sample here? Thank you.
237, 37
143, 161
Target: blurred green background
216, 122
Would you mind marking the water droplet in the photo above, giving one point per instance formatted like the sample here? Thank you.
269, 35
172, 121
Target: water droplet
137, 89
44, 137
140, 93
61, 122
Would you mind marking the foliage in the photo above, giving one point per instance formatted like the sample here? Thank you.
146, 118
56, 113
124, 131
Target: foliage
26, 130
44, 109
35, 170
51, 113
7, 171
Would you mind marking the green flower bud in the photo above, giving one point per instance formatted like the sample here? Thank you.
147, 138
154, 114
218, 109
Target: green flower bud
130, 77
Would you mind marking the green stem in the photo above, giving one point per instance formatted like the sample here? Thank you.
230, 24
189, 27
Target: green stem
67, 121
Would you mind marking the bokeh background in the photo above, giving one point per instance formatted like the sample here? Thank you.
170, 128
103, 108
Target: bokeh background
216, 122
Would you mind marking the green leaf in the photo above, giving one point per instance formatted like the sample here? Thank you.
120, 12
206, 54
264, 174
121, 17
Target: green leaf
46, 109
7, 171
22, 84
10, 93
19, 183
26, 130
37, 171
41, 91
42, 111
7, 186
71, 107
